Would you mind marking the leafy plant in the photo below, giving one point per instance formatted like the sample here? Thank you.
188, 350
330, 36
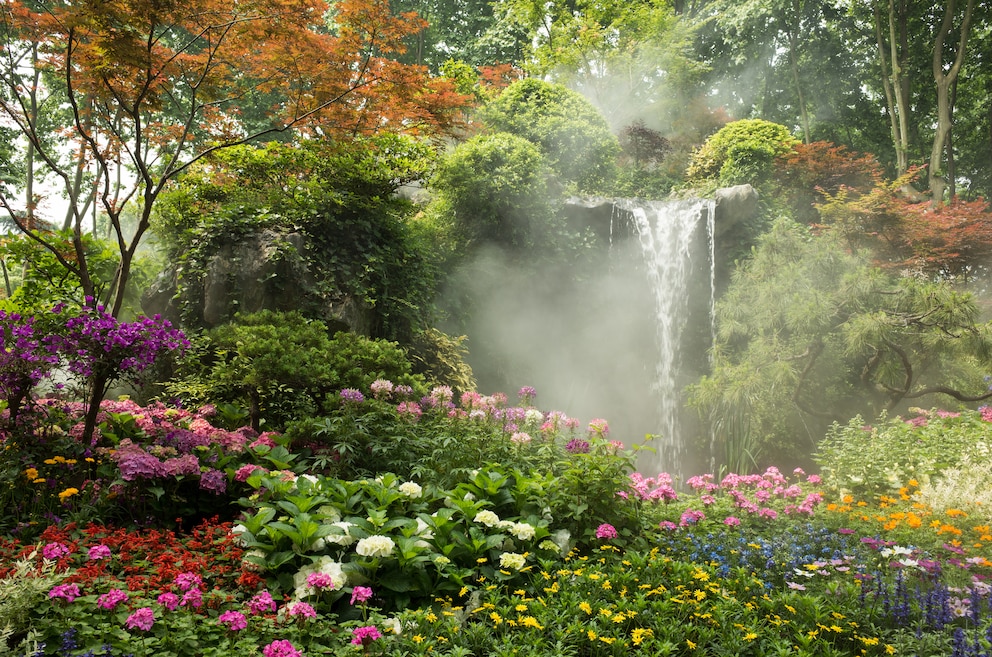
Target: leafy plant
741, 152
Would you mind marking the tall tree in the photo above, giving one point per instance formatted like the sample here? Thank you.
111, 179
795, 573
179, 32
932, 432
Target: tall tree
151, 87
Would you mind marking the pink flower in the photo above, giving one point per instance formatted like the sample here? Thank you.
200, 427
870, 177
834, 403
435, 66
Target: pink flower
303, 610
169, 600
142, 619
234, 620
98, 552
320, 581
813, 479
265, 440
192, 598
765, 512
111, 599
53, 551
188, 580
67, 592
667, 525
261, 603
245, 471
361, 594
599, 427
731, 521
691, 517
606, 531
281, 648
363, 636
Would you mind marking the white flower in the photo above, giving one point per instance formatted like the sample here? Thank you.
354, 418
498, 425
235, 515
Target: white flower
345, 538
534, 416
375, 546
512, 560
424, 530
522, 531
393, 625
237, 531
442, 560
411, 489
254, 560
487, 518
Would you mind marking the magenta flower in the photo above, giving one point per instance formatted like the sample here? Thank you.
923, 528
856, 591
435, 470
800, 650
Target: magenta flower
606, 531
111, 599
142, 619
578, 446
731, 521
169, 600
281, 648
234, 620
303, 610
53, 551
352, 395
67, 592
261, 603
363, 636
667, 525
188, 580
98, 552
691, 517
192, 598
361, 594
320, 581
246, 471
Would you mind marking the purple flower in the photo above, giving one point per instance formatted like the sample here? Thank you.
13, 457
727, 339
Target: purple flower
53, 551
281, 648
169, 600
142, 619
363, 636
527, 395
578, 446
111, 599
67, 592
352, 395
213, 480
98, 552
303, 610
606, 531
261, 603
361, 594
234, 620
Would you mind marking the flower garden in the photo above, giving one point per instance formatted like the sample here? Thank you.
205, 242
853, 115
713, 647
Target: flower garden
414, 521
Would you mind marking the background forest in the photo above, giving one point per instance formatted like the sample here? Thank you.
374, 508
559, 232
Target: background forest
377, 168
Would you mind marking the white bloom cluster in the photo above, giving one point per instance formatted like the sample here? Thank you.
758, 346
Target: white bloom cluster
343, 539
329, 513
375, 546
534, 417
520, 530
411, 489
512, 560
487, 518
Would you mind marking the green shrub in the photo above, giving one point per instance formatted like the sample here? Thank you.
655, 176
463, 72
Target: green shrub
741, 152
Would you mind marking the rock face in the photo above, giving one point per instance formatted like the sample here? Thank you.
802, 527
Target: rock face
265, 271
734, 205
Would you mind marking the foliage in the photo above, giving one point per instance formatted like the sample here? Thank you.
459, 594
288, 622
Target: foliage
741, 152
440, 358
494, 189
23, 588
568, 130
340, 196
808, 334
186, 81
281, 366
866, 460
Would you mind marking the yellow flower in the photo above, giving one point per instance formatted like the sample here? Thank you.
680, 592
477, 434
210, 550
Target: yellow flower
692, 646
890, 650
417, 638
750, 636
521, 607
530, 621
591, 635
67, 493
496, 618
584, 606
31, 473
641, 633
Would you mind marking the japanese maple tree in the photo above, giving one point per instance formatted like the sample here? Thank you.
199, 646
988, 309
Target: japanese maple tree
115, 99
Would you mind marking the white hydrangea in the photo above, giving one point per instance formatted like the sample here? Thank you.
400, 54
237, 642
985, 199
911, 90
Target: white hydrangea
343, 539
487, 518
512, 561
254, 560
325, 565
411, 489
237, 532
522, 530
375, 546
329, 513
424, 530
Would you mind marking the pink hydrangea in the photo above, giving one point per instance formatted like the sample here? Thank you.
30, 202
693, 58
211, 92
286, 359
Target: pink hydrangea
731, 521
606, 531
245, 471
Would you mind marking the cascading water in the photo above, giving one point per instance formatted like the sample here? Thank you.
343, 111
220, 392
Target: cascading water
674, 237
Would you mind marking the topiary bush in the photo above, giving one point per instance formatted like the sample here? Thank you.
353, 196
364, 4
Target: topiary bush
741, 152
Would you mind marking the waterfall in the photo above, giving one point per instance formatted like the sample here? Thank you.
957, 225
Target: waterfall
676, 256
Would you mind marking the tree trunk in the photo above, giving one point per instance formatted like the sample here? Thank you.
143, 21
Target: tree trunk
791, 31
943, 81
891, 60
